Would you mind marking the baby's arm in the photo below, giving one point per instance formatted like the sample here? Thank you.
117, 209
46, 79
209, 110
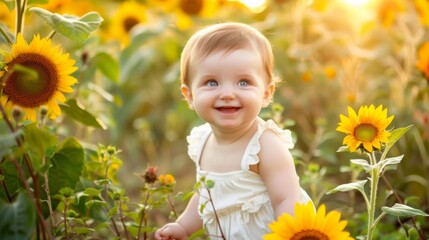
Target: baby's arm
188, 223
277, 169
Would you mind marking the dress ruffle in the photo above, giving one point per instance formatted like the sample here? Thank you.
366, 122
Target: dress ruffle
245, 209
255, 147
194, 141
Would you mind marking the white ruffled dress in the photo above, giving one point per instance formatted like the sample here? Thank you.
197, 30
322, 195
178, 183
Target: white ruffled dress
240, 197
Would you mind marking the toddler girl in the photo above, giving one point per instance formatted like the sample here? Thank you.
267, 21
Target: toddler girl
227, 78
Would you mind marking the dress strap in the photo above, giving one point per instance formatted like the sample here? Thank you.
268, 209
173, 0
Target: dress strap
254, 147
196, 140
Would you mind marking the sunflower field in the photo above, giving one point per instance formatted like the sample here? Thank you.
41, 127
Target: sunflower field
93, 125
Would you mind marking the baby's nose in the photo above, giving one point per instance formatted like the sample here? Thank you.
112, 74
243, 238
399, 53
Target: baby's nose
227, 93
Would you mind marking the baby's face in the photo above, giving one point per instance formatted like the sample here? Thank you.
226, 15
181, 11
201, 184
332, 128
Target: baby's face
229, 89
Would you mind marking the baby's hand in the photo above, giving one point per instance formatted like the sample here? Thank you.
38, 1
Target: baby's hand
171, 231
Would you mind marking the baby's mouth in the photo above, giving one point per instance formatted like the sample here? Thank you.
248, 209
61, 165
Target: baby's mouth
228, 109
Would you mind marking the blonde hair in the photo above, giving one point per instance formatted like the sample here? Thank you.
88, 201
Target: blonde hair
225, 37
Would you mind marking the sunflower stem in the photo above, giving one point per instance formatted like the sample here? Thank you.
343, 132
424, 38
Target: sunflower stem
36, 193
143, 215
20, 16
374, 178
51, 34
5, 36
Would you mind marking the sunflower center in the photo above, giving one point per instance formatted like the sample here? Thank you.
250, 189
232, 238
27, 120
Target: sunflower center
191, 7
309, 234
33, 83
365, 132
129, 23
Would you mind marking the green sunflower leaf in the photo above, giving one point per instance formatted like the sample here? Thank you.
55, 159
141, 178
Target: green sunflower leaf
349, 187
73, 27
41, 144
18, 219
401, 210
108, 65
363, 163
67, 165
390, 161
73, 110
343, 149
8, 142
396, 135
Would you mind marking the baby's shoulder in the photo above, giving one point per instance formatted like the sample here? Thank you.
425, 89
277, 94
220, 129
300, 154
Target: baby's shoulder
271, 133
272, 139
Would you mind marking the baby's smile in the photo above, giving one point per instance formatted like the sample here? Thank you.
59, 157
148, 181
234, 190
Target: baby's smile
228, 109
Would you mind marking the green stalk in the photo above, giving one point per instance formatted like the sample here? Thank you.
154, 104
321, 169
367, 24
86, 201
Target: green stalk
20, 16
374, 177
6, 36
372, 202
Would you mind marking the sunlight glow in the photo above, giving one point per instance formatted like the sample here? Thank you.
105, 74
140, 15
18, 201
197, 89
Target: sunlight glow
255, 6
356, 2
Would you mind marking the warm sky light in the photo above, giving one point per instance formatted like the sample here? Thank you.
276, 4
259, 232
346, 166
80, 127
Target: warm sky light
254, 5
356, 2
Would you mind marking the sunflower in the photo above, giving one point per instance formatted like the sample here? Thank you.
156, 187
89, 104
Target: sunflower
129, 15
308, 224
6, 16
330, 72
422, 7
319, 5
387, 11
36, 75
73, 7
166, 6
423, 59
367, 128
187, 9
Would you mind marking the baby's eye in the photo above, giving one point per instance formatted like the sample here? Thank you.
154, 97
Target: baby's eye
243, 83
211, 83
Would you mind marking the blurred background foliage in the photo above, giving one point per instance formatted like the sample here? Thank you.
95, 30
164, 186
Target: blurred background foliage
330, 54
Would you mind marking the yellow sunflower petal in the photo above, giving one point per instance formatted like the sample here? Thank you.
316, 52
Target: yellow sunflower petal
273, 236
54, 108
30, 114
320, 215
367, 146
328, 226
59, 96
54, 70
367, 127
332, 219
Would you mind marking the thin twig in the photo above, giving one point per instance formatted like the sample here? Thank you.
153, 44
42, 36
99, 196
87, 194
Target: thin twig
121, 217
143, 214
65, 218
115, 227
9, 198
171, 205
215, 213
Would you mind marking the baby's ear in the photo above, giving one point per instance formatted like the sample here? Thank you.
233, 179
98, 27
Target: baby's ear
268, 94
187, 93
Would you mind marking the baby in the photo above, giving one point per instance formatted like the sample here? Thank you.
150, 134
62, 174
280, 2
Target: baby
227, 78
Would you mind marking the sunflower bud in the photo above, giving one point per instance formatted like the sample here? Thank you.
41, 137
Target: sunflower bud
84, 57
43, 112
16, 113
150, 175
111, 150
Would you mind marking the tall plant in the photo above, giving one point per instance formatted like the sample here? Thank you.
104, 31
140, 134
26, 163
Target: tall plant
366, 132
